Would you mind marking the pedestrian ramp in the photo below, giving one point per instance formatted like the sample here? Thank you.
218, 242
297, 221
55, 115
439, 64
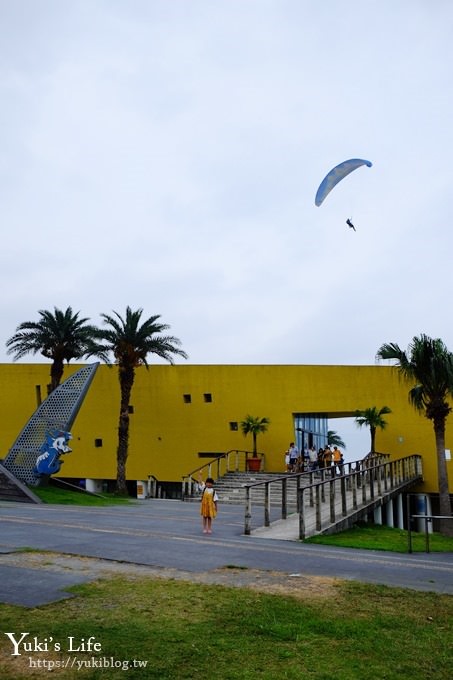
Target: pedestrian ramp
333, 504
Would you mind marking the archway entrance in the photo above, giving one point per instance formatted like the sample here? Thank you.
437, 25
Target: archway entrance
311, 429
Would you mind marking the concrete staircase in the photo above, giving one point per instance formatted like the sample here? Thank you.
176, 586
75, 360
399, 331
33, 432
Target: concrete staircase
231, 488
12, 489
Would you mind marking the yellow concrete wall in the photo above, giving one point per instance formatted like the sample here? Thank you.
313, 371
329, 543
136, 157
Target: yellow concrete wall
166, 433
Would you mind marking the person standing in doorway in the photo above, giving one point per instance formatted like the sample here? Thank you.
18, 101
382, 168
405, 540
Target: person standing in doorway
321, 461
328, 458
313, 458
287, 468
337, 458
293, 456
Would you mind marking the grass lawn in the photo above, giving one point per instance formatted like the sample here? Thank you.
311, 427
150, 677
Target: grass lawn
379, 537
183, 630
60, 496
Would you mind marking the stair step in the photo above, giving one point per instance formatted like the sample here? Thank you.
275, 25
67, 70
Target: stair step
231, 488
12, 489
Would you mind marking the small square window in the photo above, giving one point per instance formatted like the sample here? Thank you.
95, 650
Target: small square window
207, 397
234, 426
187, 398
98, 443
130, 408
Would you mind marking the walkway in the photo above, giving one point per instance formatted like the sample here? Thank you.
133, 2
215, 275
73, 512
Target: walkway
332, 502
163, 534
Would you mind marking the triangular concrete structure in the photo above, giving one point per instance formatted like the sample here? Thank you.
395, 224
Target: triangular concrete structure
57, 412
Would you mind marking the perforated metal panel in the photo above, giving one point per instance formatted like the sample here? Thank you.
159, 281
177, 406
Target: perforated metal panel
58, 411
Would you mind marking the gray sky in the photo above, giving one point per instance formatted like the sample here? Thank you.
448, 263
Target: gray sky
166, 154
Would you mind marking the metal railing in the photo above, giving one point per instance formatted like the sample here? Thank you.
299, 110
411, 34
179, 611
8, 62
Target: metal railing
428, 519
232, 461
358, 484
359, 490
308, 479
153, 490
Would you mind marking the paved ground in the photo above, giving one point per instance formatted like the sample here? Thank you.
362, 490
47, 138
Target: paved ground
164, 538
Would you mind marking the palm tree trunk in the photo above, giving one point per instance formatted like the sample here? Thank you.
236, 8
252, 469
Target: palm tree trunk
373, 438
56, 373
126, 377
446, 526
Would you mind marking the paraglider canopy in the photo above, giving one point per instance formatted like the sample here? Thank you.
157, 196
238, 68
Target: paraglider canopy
338, 173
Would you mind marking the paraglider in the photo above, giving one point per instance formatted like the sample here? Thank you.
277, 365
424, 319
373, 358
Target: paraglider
350, 225
338, 173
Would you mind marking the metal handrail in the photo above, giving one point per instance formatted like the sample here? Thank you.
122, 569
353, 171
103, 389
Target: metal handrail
234, 460
364, 464
427, 518
393, 473
353, 479
329, 469
153, 484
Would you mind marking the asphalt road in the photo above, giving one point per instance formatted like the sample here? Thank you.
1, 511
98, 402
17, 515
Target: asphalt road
167, 534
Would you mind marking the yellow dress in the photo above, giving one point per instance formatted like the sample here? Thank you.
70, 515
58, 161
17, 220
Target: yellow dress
208, 499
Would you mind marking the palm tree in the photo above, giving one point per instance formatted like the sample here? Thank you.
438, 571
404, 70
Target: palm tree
428, 364
130, 341
254, 426
334, 439
372, 418
60, 336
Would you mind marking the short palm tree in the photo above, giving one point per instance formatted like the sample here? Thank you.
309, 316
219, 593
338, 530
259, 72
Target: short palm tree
334, 439
131, 340
254, 426
60, 336
428, 365
372, 418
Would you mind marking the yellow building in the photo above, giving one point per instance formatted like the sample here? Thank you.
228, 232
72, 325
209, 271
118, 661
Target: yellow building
178, 412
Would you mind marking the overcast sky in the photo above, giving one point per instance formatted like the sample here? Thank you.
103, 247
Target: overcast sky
165, 154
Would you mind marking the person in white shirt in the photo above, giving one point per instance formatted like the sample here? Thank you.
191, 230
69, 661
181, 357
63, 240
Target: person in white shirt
293, 456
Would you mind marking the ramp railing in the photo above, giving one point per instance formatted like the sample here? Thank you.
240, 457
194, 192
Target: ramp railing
327, 496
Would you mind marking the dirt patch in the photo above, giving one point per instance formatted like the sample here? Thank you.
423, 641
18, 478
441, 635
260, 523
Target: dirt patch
280, 583
276, 582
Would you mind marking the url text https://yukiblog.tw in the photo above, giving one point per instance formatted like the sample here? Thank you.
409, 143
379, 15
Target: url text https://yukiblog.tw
25, 644
93, 662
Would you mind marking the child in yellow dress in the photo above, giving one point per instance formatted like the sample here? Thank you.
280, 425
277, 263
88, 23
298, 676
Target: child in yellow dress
209, 500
